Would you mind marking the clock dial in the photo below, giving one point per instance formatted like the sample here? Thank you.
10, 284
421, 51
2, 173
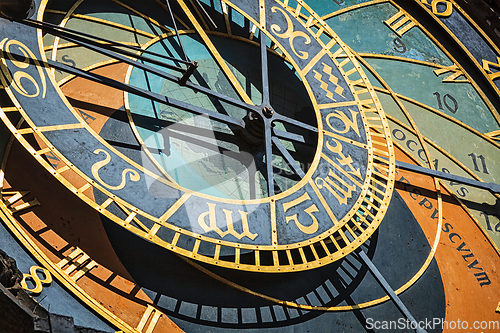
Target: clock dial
253, 145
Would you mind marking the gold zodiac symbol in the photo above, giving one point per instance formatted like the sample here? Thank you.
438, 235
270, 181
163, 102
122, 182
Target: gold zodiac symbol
447, 12
134, 175
15, 80
212, 226
39, 283
289, 33
311, 229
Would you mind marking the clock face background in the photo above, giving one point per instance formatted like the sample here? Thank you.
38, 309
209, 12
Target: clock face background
437, 245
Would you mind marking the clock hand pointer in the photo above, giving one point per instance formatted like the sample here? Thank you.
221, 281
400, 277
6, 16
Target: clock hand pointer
385, 285
147, 94
492, 187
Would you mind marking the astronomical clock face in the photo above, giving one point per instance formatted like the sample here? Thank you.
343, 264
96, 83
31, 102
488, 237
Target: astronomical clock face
213, 166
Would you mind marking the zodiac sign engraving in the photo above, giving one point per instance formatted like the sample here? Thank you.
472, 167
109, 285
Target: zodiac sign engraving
332, 78
290, 33
311, 229
134, 175
33, 276
212, 224
18, 76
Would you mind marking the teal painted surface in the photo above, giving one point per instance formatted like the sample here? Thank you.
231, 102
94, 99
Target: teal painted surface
322, 7
364, 31
420, 83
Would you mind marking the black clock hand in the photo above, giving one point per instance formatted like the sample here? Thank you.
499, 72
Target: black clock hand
264, 70
147, 94
492, 187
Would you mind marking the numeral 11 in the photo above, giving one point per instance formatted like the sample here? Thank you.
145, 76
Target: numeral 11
483, 162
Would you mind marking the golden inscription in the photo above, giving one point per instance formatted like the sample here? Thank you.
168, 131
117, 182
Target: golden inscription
35, 278
311, 229
212, 223
290, 33
134, 175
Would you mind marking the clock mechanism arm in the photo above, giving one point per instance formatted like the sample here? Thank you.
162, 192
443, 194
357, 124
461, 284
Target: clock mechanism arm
385, 285
146, 94
492, 187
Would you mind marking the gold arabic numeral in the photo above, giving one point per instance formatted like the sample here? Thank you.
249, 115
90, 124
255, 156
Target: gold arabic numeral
17, 196
34, 277
487, 65
498, 308
212, 223
15, 79
149, 320
78, 264
134, 175
400, 23
434, 6
344, 160
307, 229
290, 33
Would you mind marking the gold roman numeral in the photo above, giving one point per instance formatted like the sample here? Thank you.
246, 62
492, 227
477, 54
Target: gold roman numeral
15, 197
400, 23
487, 67
78, 264
151, 315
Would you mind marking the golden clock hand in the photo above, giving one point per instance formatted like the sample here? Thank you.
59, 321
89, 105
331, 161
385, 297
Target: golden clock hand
216, 55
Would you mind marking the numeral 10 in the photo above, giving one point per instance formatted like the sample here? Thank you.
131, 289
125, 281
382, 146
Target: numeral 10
447, 100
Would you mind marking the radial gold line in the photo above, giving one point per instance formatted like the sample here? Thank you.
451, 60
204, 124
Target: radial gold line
375, 172
323, 202
147, 18
106, 203
345, 173
262, 14
175, 239
334, 241
375, 189
9, 109
226, 17
59, 127
302, 255
342, 138
313, 61
103, 21
313, 250
84, 187
348, 9
274, 227
217, 252
215, 53
62, 24
276, 260
289, 256
134, 218
24, 131
336, 105
325, 248
257, 257
237, 252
